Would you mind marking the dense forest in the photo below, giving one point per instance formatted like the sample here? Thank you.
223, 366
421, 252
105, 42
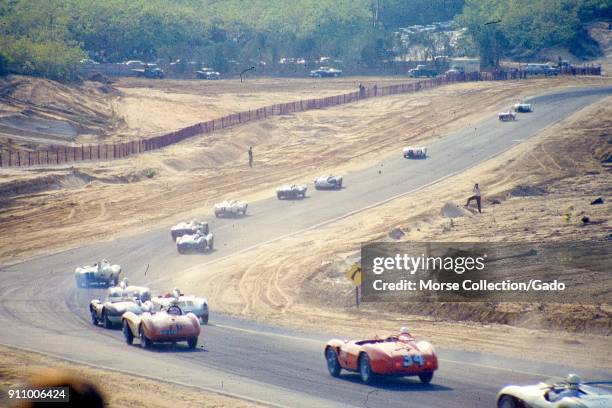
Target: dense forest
49, 37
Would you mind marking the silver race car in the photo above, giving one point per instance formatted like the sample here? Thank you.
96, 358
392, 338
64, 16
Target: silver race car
507, 116
412, 152
110, 310
100, 273
328, 183
188, 303
191, 227
231, 208
523, 107
555, 393
291, 191
199, 242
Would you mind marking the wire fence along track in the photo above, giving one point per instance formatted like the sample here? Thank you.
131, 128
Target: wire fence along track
61, 155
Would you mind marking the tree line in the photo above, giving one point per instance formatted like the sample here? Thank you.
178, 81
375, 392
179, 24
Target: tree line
49, 37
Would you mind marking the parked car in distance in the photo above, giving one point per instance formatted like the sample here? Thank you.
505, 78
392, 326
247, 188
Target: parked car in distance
208, 73
325, 72
421, 71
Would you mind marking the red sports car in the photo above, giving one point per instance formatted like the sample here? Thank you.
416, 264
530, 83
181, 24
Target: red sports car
399, 355
167, 326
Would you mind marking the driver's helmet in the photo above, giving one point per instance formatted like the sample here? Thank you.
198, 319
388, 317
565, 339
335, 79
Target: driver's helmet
174, 310
573, 381
176, 292
404, 331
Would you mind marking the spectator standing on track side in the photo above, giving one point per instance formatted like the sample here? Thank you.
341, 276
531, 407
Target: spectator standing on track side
476, 196
250, 156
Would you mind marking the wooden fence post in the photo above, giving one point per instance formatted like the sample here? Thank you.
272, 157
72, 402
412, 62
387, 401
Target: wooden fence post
19, 158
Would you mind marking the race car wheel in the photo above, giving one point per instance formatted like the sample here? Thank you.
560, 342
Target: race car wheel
94, 317
192, 343
127, 333
332, 362
107, 323
506, 401
204, 319
426, 377
179, 249
365, 370
279, 196
144, 340
340, 185
217, 214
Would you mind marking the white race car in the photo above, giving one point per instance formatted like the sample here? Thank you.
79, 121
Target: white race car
102, 272
190, 227
523, 107
506, 116
140, 294
291, 191
188, 303
412, 152
199, 242
328, 183
555, 393
231, 208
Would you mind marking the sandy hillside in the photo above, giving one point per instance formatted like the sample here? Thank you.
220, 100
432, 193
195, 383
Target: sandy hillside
102, 199
118, 389
150, 107
35, 113
537, 183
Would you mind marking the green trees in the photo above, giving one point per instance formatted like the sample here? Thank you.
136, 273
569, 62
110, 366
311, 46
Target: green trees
49, 37
527, 27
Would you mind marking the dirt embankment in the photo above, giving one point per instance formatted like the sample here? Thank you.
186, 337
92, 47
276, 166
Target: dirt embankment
535, 183
35, 113
118, 389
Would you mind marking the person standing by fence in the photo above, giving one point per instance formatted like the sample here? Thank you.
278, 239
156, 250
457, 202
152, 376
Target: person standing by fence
250, 156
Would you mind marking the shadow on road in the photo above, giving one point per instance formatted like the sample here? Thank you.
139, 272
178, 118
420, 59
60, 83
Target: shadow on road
397, 383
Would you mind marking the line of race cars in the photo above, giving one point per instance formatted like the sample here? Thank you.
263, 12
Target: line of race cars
174, 317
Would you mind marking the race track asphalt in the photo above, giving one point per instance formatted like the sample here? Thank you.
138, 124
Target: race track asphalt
42, 310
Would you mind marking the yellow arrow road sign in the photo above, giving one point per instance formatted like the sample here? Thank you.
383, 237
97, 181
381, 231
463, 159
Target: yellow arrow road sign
354, 274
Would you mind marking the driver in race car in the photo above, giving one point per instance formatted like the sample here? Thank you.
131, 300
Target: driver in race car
404, 334
571, 389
